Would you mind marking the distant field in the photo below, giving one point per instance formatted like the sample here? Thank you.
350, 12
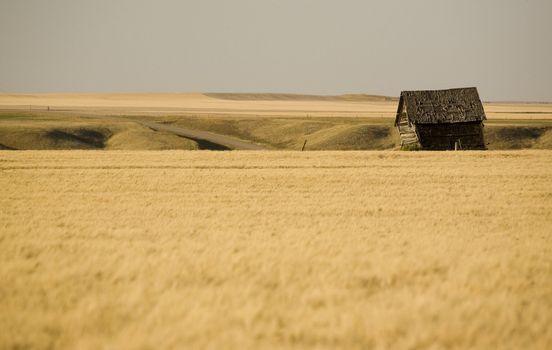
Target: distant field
234, 250
231, 104
259, 105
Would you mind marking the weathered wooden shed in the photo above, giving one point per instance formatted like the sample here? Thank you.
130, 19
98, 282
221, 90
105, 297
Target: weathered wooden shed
441, 119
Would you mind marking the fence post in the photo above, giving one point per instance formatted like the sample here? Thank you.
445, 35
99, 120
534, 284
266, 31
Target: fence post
458, 145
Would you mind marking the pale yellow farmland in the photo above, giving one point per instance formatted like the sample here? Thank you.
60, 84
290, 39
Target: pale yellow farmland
262, 250
254, 104
178, 103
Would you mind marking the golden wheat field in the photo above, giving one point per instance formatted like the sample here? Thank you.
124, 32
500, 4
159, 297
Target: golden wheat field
249, 250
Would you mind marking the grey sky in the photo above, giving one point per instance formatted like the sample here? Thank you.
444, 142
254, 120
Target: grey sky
306, 46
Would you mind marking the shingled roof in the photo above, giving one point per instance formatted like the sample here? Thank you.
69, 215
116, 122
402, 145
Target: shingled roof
443, 106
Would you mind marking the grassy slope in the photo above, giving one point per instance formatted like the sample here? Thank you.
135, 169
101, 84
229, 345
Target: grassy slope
356, 133
236, 250
290, 133
28, 131
40, 130
519, 135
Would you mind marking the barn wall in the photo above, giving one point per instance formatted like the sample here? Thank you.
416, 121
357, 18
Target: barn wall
407, 131
443, 136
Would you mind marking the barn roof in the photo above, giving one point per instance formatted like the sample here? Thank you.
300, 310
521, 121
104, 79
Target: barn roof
443, 106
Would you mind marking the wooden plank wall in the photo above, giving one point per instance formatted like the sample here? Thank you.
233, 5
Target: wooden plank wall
409, 138
443, 136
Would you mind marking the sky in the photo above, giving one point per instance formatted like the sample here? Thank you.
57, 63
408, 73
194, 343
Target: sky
504, 47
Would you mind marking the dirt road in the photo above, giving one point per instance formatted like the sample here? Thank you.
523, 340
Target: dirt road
206, 140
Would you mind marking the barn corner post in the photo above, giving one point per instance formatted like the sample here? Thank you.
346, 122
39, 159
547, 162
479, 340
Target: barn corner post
441, 119
483, 136
407, 130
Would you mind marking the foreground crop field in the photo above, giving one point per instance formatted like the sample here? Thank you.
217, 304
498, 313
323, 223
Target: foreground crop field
237, 250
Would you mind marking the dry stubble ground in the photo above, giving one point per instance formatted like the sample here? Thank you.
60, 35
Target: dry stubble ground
241, 250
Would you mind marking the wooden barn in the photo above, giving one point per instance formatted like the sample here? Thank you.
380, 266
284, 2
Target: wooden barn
441, 119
